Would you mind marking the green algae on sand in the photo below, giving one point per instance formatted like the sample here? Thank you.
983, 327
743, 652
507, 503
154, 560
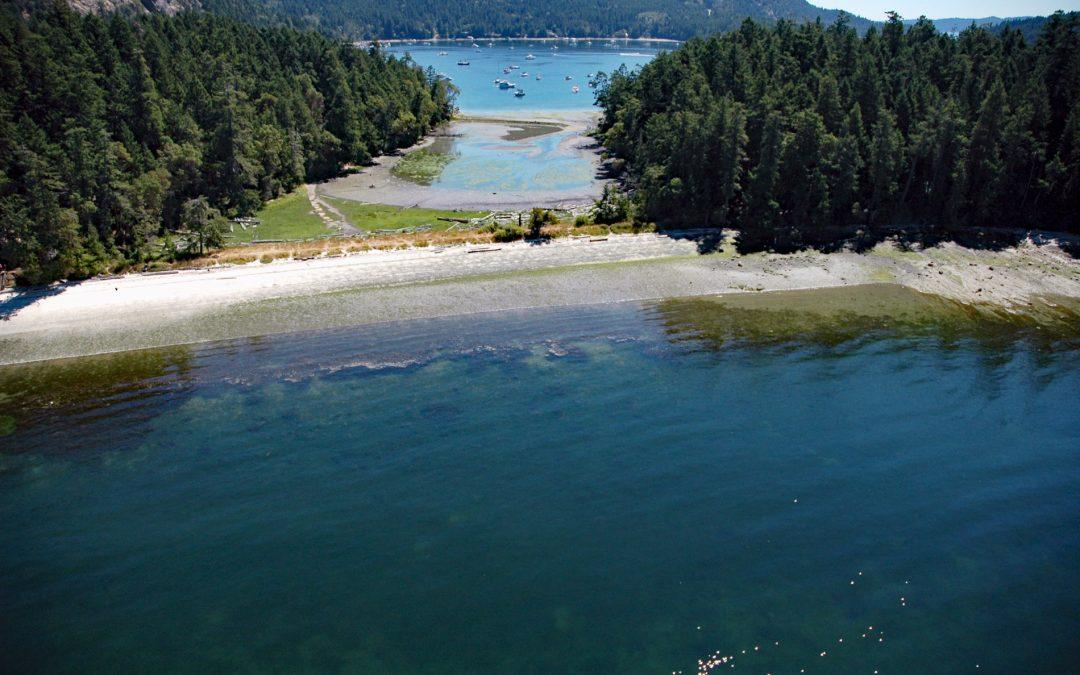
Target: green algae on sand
831, 316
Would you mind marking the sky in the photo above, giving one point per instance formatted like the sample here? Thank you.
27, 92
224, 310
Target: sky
965, 9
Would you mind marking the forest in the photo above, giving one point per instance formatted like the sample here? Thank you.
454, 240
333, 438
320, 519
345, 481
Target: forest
794, 133
116, 132
458, 18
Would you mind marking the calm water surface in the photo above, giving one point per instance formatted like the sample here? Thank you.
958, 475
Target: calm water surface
484, 159
480, 95
618, 489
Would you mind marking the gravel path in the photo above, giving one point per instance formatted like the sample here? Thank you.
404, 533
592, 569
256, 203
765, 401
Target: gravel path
341, 224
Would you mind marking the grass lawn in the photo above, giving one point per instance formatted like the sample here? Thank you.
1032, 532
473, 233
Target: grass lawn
287, 217
382, 217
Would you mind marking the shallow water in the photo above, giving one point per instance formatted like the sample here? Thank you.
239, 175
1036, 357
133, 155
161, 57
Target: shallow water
487, 158
622, 488
480, 95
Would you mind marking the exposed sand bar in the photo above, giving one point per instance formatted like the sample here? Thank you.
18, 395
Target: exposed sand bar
139, 311
378, 184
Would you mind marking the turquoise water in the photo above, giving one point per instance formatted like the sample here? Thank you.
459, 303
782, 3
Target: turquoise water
479, 94
487, 163
620, 489
485, 160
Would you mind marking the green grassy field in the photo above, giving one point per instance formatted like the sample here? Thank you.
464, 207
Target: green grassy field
287, 217
422, 166
383, 217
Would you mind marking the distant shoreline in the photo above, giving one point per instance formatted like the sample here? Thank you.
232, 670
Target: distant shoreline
395, 41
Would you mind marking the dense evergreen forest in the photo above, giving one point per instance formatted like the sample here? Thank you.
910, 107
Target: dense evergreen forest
456, 18
792, 132
114, 131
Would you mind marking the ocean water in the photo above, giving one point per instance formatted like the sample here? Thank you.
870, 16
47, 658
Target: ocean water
544, 164
611, 489
480, 95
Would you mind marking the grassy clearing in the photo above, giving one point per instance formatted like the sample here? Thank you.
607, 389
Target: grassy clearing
335, 246
382, 217
422, 166
287, 217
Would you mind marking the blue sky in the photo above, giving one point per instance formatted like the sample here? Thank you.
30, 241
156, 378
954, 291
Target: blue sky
974, 9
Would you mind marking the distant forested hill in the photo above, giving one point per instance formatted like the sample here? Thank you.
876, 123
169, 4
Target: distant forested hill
792, 133
1029, 26
456, 18
116, 131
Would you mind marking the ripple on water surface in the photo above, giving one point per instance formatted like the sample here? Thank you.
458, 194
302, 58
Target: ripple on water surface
682, 486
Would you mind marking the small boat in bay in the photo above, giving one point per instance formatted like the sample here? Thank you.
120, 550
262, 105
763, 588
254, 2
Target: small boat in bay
463, 62
519, 93
575, 89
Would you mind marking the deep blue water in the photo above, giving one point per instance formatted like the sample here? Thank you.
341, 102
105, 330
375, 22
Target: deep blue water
480, 95
616, 489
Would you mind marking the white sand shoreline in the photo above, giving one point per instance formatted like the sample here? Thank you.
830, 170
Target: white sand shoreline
138, 311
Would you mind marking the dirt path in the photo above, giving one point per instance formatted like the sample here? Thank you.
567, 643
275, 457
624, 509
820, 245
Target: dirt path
340, 224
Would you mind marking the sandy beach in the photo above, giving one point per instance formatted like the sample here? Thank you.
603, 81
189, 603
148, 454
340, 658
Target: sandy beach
139, 310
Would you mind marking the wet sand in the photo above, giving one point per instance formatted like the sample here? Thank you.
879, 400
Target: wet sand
139, 311
377, 184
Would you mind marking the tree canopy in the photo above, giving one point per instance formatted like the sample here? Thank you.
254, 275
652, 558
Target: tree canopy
517, 18
111, 126
791, 131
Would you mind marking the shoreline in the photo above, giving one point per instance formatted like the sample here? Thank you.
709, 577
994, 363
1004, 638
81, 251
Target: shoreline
434, 40
140, 311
